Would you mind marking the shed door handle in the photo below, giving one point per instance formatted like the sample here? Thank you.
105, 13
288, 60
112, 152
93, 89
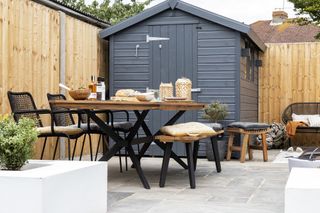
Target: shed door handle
196, 90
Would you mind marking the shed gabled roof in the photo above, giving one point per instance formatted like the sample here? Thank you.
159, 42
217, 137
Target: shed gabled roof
183, 6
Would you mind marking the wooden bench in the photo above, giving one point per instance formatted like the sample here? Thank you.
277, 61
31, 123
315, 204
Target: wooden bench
191, 154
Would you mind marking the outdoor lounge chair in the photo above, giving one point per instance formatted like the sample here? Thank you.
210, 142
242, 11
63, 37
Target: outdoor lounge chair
23, 105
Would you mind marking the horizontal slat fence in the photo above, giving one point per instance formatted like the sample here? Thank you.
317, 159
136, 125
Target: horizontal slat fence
30, 54
290, 73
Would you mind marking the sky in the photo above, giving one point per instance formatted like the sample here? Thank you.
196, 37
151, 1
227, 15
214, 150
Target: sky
247, 11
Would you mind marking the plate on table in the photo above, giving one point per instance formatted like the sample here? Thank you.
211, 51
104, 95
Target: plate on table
177, 99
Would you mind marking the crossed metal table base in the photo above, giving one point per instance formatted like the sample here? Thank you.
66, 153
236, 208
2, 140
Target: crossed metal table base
129, 140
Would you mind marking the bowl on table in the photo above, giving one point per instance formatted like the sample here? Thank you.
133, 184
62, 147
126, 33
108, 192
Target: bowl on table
79, 94
149, 96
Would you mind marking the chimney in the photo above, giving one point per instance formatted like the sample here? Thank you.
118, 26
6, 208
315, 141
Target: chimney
278, 17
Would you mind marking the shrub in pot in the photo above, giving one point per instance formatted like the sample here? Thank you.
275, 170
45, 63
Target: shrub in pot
16, 141
216, 113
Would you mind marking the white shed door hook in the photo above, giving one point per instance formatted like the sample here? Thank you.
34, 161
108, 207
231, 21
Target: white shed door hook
137, 47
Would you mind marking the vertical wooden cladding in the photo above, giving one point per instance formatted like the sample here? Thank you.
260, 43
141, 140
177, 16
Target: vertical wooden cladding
29, 50
29, 53
85, 56
83, 53
290, 73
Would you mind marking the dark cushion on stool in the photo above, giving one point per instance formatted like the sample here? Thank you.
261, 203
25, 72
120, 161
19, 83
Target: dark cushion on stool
214, 126
122, 126
249, 125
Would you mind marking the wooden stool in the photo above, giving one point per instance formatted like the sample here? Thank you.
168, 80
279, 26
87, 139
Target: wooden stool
191, 155
247, 129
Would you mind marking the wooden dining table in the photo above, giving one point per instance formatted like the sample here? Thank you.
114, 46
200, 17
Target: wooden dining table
141, 110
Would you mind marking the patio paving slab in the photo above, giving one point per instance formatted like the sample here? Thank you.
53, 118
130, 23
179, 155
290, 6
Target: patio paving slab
254, 186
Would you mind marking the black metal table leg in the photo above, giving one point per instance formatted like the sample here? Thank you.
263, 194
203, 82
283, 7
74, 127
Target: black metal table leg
195, 154
165, 164
190, 165
120, 142
162, 146
137, 166
214, 143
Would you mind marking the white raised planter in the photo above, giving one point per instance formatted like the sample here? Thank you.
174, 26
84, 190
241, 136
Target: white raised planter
302, 190
55, 187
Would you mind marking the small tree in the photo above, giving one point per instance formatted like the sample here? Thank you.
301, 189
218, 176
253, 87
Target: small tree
308, 7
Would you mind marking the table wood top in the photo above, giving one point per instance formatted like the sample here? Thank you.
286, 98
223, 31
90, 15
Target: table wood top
125, 105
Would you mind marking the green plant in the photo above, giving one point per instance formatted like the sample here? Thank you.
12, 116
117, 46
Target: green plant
310, 8
107, 10
215, 112
16, 141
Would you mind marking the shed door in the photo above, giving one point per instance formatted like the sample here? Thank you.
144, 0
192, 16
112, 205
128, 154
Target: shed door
169, 61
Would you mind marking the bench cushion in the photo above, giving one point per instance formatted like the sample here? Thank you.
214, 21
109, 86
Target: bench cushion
187, 129
249, 125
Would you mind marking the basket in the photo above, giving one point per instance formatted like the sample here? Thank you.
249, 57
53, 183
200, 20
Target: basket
165, 90
183, 88
79, 94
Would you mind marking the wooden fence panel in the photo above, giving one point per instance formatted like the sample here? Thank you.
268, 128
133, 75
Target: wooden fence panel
84, 57
290, 73
29, 53
30, 57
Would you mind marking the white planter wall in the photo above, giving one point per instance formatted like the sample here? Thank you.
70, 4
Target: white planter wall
55, 187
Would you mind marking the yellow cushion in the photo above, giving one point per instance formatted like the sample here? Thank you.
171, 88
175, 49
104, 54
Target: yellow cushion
69, 130
188, 129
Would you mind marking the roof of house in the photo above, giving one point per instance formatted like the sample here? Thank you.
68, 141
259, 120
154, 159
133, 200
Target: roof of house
287, 32
183, 6
58, 5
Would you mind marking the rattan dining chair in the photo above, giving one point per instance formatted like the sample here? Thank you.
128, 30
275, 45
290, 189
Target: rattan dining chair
22, 105
123, 127
66, 119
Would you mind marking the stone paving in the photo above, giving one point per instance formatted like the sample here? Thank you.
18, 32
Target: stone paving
252, 187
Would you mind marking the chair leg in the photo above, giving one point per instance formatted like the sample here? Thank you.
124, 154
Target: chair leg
264, 147
74, 148
250, 153
83, 142
190, 165
165, 164
120, 161
55, 148
69, 149
96, 156
215, 149
195, 154
244, 146
126, 154
105, 144
90, 146
230, 143
43, 148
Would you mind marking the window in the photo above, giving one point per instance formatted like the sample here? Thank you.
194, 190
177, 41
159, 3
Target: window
249, 66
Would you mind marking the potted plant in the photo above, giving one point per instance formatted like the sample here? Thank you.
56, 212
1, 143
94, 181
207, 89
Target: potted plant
38, 186
16, 142
215, 113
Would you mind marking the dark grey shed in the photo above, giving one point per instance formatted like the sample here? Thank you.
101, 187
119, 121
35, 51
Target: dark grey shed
218, 54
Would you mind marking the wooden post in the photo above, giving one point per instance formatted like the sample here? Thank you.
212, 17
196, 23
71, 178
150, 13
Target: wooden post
62, 74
